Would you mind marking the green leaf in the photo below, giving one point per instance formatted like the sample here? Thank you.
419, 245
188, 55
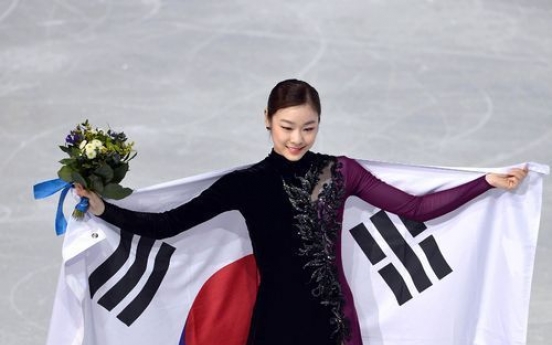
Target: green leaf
66, 174
119, 173
105, 172
65, 149
96, 183
115, 191
74, 152
67, 161
79, 179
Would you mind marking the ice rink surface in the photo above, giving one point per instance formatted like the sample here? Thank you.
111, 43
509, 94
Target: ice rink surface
436, 82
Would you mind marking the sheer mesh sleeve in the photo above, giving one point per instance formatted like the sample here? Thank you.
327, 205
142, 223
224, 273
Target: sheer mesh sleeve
362, 183
222, 196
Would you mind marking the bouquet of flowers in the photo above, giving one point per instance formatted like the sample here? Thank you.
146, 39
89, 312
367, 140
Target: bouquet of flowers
98, 160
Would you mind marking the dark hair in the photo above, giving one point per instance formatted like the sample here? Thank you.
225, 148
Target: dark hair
292, 92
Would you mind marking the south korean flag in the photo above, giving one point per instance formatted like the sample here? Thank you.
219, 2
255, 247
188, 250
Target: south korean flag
462, 278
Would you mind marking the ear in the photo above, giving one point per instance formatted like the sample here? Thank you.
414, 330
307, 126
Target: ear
267, 121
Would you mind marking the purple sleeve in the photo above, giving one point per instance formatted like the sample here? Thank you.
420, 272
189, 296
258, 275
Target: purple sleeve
360, 182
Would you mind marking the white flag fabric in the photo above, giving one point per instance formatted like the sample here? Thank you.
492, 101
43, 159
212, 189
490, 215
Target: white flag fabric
463, 278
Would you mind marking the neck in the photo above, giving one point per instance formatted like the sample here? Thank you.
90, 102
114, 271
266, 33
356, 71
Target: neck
286, 166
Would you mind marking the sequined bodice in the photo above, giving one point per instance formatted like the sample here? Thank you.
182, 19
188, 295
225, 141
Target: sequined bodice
315, 191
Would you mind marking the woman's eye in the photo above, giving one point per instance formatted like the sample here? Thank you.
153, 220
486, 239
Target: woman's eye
309, 129
286, 128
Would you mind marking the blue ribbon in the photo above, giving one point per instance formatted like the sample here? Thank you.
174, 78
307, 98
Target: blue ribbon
45, 189
82, 205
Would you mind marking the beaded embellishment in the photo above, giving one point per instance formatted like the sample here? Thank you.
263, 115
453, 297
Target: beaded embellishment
316, 221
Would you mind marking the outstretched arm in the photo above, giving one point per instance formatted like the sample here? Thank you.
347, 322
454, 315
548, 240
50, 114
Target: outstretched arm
218, 198
366, 186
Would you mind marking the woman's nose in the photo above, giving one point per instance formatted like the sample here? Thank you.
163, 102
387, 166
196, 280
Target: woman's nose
296, 137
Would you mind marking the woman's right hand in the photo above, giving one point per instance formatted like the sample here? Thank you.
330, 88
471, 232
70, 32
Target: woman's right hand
96, 204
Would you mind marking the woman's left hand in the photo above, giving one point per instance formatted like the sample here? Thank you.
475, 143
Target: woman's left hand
509, 181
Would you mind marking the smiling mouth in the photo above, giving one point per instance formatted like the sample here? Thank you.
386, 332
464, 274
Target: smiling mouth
295, 149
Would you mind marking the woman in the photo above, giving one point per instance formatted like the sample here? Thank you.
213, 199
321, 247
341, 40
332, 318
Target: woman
293, 202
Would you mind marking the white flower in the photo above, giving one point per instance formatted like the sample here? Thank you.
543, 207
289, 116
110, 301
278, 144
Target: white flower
96, 143
90, 153
91, 150
82, 144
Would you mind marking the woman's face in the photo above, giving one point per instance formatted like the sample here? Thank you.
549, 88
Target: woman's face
293, 130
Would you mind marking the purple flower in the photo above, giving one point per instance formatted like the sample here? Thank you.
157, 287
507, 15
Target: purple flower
72, 138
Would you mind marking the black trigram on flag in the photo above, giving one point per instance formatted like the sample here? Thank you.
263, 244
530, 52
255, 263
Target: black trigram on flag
132, 277
404, 252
